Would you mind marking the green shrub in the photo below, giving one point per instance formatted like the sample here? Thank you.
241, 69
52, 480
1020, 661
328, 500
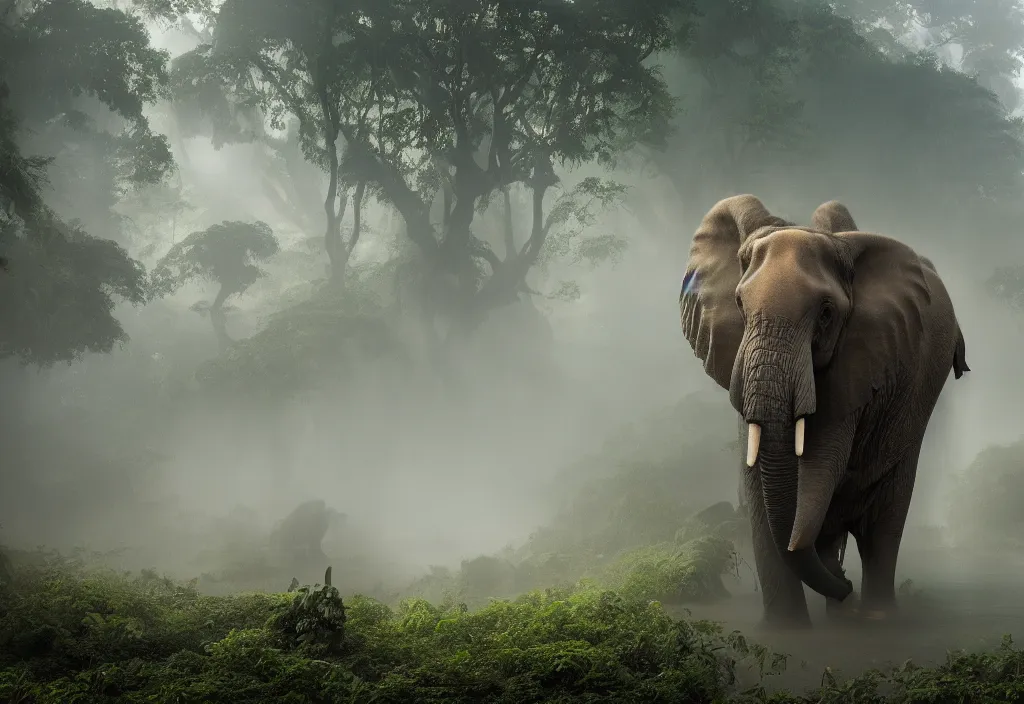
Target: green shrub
673, 573
688, 570
315, 618
96, 636
70, 634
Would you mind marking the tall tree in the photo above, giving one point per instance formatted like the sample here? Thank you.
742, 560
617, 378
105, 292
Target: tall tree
227, 254
439, 106
283, 65
789, 99
501, 93
989, 33
77, 74
81, 76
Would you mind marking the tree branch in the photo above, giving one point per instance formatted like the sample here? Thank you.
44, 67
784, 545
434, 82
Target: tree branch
330, 128
395, 190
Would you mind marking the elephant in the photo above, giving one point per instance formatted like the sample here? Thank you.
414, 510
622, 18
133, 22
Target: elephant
834, 345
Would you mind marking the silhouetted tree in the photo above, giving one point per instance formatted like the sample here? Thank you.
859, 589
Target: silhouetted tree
227, 254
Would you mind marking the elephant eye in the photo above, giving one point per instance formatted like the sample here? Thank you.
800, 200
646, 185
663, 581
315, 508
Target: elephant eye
739, 303
825, 317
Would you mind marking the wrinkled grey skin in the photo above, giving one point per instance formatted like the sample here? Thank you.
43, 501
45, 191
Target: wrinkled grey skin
855, 334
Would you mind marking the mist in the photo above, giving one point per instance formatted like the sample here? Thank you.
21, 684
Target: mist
440, 453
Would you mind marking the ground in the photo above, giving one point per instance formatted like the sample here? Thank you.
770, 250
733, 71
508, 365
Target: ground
71, 633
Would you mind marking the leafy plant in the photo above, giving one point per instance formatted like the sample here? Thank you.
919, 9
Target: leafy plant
69, 632
315, 617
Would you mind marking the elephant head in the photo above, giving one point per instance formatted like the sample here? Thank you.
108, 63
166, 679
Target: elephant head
802, 326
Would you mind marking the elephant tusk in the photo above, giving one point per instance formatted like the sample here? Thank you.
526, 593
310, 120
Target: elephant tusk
753, 442
801, 427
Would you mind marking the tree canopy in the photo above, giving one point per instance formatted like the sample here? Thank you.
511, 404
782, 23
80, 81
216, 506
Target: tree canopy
227, 254
437, 107
793, 101
80, 76
464, 117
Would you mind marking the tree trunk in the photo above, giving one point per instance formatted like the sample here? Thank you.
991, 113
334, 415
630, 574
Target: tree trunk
508, 229
333, 242
219, 320
331, 129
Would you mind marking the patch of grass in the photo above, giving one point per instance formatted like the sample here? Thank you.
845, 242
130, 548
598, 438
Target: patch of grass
73, 634
673, 573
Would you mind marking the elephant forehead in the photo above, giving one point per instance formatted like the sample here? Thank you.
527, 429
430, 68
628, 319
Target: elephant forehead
793, 262
792, 250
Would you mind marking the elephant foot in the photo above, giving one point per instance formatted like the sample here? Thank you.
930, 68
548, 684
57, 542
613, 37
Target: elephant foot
842, 611
878, 613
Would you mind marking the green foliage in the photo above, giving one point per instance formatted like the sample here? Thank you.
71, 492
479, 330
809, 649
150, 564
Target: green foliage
61, 50
315, 618
627, 517
570, 222
667, 572
431, 97
227, 253
60, 289
21, 178
640, 504
59, 616
71, 633
990, 35
108, 637
964, 677
60, 284
721, 520
171, 10
673, 573
788, 86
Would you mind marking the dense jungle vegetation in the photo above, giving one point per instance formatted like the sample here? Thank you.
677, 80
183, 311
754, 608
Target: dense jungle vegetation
424, 168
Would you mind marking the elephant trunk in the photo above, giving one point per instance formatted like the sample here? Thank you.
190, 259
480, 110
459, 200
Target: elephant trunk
773, 387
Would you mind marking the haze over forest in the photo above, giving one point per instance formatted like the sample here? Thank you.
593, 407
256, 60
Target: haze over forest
263, 252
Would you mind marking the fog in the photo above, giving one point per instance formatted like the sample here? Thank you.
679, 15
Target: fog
118, 452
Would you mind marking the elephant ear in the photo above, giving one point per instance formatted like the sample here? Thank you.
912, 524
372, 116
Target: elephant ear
711, 321
832, 217
884, 332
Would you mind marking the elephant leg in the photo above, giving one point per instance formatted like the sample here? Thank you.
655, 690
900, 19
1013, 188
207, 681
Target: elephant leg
880, 534
782, 592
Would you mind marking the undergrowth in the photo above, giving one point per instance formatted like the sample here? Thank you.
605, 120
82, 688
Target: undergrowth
69, 633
